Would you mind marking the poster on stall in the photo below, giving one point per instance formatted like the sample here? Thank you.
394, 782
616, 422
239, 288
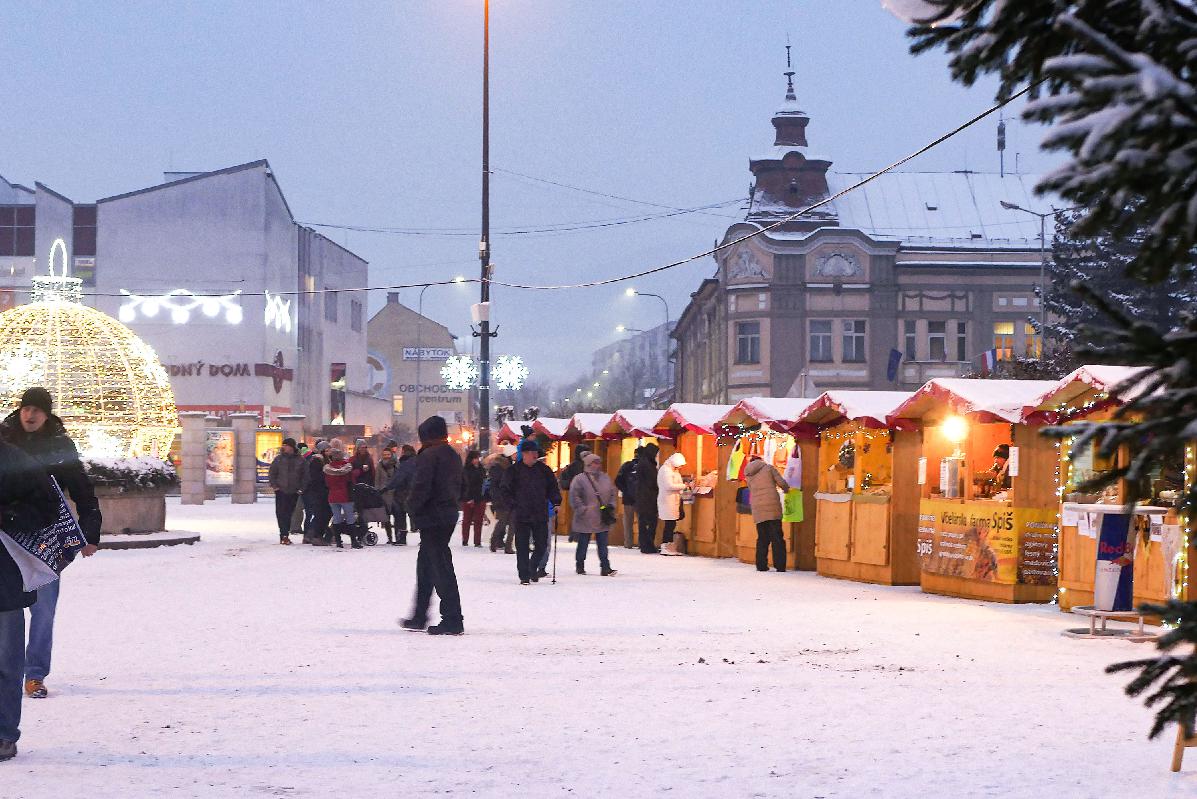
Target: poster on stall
218, 466
1111, 546
267, 443
984, 541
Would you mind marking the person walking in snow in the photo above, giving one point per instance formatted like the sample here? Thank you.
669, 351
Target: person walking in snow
496, 468
592, 498
35, 430
531, 489
670, 486
763, 482
388, 464
315, 497
433, 505
338, 476
27, 504
473, 505
286, 476
646, 497
625, 481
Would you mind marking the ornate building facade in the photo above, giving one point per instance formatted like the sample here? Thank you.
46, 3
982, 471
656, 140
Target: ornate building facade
911, 276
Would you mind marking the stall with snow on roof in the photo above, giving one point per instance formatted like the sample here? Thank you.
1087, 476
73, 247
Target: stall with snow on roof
760, 426
988, 479
867, 504
691, 429
627, 430
1141, 551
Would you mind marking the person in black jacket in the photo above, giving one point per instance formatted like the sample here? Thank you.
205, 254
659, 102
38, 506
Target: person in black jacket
625, 481
473, 504
497, 465
26, 504
646, 497
35, 430
315, 497
529, 487
432, 503
575, 467
400, 486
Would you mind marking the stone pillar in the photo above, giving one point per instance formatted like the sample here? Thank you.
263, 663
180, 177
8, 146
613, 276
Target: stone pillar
192, 458
210, 423
245, 464
292, 425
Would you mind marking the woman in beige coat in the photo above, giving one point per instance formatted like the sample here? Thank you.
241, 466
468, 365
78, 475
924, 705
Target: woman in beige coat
763, 483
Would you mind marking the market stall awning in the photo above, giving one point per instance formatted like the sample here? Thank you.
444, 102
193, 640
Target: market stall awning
632, 423
870, 408
1090, 380
693, 417
551, 427
587, 425
777, 413
510, 431
984, 401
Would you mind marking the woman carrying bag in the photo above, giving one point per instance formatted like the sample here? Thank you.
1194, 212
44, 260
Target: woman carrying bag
592, 497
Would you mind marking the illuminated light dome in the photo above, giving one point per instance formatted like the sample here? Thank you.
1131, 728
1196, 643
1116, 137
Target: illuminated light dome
108, 385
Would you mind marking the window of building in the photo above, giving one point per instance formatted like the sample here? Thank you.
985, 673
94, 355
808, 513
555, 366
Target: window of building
820, 340
1034, 342
937, 341
330, 305
84, 231
909, 328
962, 341
854, 341
748, 342
1003, 340
397, 404
16, 230
355, 315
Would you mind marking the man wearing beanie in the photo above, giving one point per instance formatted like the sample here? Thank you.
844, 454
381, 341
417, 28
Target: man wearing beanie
432, 504
34, 429
529, 488
286, 477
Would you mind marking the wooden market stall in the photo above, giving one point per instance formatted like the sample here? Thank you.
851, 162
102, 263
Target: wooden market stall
587, 428
557, 457
760, 426
691, 429
1091, 394
988, 481
509, 432
626, 430
867, 504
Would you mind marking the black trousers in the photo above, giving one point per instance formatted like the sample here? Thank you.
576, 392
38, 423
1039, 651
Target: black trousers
319, 514
284, 509
668, 531
531, 544
399, 514
434, 572
769, 534
498, 535
648, 531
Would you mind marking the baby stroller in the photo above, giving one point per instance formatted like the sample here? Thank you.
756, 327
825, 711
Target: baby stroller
370, 507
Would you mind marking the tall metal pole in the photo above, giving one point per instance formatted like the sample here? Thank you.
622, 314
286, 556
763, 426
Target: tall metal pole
1042, 288
419, 349
484, 244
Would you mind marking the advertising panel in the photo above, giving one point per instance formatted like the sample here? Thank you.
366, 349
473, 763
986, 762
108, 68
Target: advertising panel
218, 467
267, 443
987, 541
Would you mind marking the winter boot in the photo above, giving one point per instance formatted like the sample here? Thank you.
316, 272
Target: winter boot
8, 750
580, 569
356, 534
608, 571
36, 689
413, 624
446, 629
401, 538
337, 531
285, 539
390, 533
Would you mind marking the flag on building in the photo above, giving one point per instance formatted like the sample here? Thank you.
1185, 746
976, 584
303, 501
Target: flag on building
988, 362
895, 360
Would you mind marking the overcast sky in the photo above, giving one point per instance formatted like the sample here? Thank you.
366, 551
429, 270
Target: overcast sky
369, 113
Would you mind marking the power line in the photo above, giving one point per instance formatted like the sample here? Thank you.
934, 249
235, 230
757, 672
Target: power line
643, 273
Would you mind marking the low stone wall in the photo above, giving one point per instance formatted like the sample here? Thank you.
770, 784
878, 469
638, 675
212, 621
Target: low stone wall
132, 511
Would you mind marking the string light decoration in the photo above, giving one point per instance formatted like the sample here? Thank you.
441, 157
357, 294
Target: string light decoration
278, 313
509, 372
180, 304
459, 372
108, 386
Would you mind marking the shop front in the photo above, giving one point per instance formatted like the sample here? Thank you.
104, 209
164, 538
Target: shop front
867, 503
988, 490
690, 428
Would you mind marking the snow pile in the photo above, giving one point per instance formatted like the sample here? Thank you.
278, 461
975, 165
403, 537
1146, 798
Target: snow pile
130, 474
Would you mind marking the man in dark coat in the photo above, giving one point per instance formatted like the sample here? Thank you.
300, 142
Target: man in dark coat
35, 430
432, 503
26, 504
625, 481
400, 487
530, 488
646, 497
574, 468
315, 497
287, 475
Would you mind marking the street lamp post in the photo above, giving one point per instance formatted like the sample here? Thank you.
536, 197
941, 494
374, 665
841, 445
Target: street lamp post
634, 293
484, 245
1042, 270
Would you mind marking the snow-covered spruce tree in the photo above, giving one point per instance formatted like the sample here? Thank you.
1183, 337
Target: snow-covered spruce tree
1116, 81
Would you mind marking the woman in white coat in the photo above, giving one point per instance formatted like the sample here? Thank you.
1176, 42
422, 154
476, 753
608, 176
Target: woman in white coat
669, 499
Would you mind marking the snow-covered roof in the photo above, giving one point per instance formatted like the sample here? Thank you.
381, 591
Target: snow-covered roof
693, 417
1090, 379
778, 413
587, 425
990, 400
632, 423
928, 209
868, 407
510, 431
551, 427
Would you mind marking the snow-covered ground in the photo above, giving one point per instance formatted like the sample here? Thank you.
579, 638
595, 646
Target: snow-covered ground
237, 667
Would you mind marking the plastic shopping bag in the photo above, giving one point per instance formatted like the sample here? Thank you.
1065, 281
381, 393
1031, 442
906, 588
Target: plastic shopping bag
791, 510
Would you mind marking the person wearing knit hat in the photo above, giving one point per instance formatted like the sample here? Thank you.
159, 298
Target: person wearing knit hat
286, 477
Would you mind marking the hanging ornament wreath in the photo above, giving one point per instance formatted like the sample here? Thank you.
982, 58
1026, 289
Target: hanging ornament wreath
848, 455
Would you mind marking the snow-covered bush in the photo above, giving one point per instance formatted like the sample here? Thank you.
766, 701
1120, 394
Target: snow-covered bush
130, 474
